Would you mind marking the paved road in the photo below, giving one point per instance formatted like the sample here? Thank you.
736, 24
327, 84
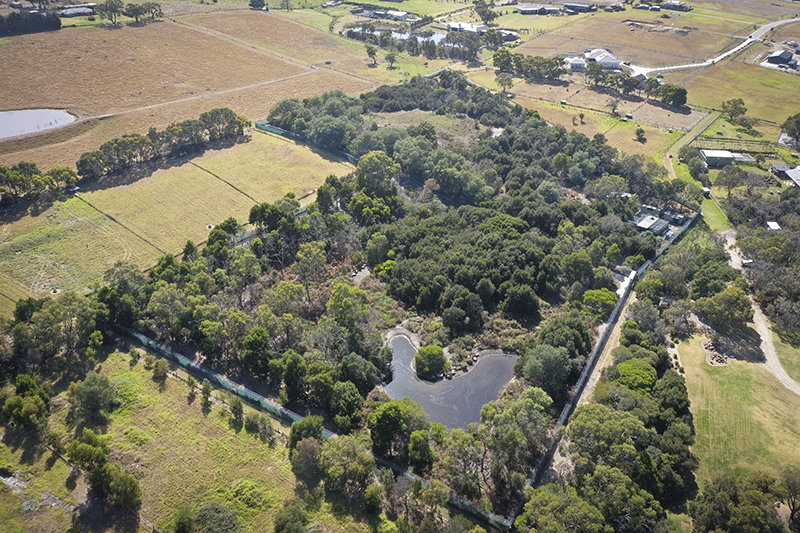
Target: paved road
762, 324
753, 37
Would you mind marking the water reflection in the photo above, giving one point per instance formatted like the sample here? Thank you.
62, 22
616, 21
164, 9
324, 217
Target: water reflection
455, 402
24, 121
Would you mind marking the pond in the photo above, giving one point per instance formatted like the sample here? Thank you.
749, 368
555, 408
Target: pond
453, 402
24, 121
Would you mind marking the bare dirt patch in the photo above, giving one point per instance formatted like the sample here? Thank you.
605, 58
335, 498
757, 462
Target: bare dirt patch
717, 354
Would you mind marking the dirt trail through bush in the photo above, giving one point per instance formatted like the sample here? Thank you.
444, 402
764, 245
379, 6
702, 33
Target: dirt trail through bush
761, 323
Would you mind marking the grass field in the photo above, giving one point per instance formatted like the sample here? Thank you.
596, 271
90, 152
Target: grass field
71, 243
185, 455
66, 246
714, 217
48, 478
180, 71
654, 42
765, 131
745, 10
788, 355
745, 419
765, 91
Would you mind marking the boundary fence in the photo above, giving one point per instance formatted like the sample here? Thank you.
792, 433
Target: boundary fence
737, 145
290, 416
264, 126
591, 363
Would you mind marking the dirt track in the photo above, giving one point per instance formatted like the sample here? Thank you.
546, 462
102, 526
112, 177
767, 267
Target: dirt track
761, 323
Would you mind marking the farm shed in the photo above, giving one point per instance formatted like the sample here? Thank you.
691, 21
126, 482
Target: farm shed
580, 8
773, 226
538, 9
75, 12
779, 169
717, 158
780, 57
465, 27
676, 5
397, 15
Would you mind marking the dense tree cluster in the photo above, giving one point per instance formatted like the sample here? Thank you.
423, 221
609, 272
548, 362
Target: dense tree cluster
533, 68
695, 276
490, 240
337, 121
463, 46
745, 503
630, 450
775, 269
24, 181
18, 22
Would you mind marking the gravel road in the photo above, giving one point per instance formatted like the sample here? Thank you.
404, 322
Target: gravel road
762, 324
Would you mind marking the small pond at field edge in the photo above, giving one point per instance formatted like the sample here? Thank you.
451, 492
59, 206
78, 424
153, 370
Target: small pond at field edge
25, 121
453, 402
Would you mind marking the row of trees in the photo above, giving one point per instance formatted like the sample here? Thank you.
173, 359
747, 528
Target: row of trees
455, 45
189, 135
24, 181
112, 9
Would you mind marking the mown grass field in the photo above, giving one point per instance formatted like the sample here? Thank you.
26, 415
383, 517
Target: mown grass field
72, 242
714, 217
745, 419
66, 246
789, 356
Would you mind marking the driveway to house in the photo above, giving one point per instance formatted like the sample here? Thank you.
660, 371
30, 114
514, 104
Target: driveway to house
762, 324
753, 37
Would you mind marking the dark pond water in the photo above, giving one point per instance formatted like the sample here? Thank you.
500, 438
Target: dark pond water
453, 402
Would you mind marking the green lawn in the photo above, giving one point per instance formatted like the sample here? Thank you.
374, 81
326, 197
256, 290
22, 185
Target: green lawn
714, 216
765, 91
745, 419
788, 355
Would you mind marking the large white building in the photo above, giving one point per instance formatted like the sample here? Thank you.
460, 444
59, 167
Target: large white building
604, 58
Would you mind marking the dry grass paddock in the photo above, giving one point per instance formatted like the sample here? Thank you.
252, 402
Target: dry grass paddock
654, 41
162, 73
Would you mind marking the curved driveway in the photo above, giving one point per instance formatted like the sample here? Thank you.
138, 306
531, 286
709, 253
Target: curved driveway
753, 37
761, 323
